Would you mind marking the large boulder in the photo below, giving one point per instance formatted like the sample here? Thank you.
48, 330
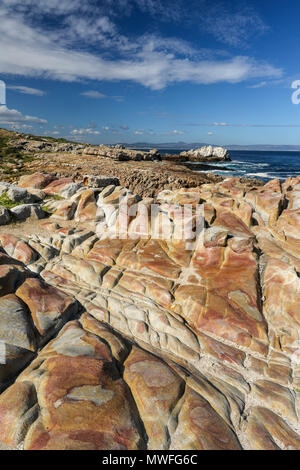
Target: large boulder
26, 211
205, 154
4, 216
35, 180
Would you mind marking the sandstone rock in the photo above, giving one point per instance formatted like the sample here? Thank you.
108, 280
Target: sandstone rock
4, 216
99, 181
65, 211
208, 153
21, 195
17, 248
50, 308
36, 181
15, 324
91, 408
156, 389
87, 207
26, 211
18, 410
206, 430
177, 346
70, 189
57, 186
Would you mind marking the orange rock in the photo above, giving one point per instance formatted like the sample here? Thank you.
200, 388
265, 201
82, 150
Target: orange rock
156, 389
50, 308
200, 427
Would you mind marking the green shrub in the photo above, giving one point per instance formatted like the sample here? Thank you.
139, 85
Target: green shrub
7, 202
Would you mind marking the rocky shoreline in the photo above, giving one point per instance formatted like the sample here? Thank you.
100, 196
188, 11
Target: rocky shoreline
114, 339
146, 343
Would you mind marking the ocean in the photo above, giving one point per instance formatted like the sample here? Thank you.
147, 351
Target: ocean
256, 164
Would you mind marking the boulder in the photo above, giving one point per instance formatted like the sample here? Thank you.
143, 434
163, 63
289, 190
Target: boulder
26, 211
208, 153
4, 216
21, 195
35, 181
49, 307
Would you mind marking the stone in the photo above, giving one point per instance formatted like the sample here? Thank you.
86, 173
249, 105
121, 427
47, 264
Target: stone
145, 342
55, 187
65, 211
26, 211
206, 429
18, 248
208, 153
91, 181
86, 404
35, 181
15, 323
21, 195
49, 307
4, 216
156, 390
87, 207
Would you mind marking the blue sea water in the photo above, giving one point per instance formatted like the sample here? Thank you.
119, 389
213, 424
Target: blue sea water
264, 165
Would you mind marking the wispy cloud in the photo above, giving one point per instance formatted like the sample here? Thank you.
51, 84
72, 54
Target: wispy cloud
173, 132
259, 85
232, 22
25, 90
28, 50
82, 131
93, 94
11, 116
225, 124
97, 95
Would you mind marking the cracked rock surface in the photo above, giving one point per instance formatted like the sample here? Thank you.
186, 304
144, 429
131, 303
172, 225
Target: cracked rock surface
149, 343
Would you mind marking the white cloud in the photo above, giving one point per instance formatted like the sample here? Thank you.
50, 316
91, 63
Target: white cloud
28, 50
88, 131
25, 90
97, 95
93, 94
210, 133
10, 116
259, 85
173, 132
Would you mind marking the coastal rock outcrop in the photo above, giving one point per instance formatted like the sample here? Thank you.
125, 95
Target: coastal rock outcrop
152, 340
206, 154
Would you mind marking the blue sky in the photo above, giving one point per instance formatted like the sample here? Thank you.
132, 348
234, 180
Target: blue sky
151, 70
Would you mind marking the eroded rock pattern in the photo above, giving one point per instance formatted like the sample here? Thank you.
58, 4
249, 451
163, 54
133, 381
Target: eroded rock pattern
144, 342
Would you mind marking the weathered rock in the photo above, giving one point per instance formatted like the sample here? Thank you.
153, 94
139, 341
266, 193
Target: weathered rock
35, 181
177, 345
4, 216
50, 308
21, 195
86, 405
17, 248
156, 390
57, 186
200, 427
87, 207
208, 153
26, 211
65, 210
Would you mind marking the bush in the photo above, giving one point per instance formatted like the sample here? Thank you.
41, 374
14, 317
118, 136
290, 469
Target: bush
7, 202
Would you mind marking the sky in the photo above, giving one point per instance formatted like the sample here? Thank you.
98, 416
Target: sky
108, 71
